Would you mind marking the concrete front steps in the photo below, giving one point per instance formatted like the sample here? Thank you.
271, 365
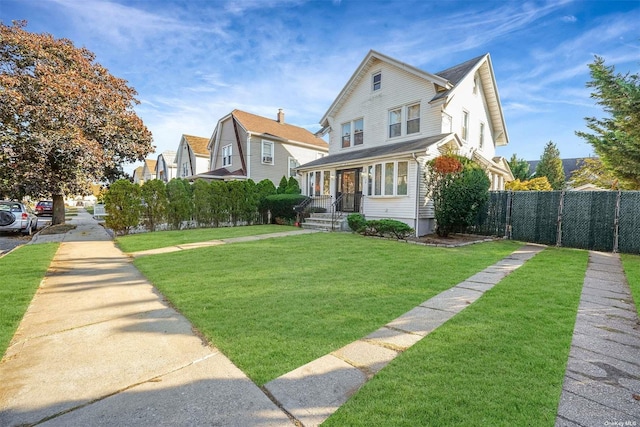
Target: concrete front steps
323, 222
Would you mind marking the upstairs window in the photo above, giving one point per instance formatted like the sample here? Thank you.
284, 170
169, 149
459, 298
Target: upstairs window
226, 155
267, 152
465, 125
346, 135
395, 122
481, 140
358, 132
413, 119
293, 164
376, 82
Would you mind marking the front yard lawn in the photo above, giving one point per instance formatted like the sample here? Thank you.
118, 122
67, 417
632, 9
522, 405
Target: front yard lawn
500, 362
22, 271
274, 305
161, 239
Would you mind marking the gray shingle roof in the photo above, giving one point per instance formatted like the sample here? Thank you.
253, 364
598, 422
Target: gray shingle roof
399, 148
569, 166
456, 73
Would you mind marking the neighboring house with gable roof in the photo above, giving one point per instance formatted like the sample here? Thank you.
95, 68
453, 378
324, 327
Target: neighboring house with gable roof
389, 120
192, 156
148, 170
138, 175
248, 146
166, 168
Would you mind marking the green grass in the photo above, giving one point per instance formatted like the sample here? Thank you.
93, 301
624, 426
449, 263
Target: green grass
22, 271
161, 239
274, 305
631, 264
89, 209
500, 362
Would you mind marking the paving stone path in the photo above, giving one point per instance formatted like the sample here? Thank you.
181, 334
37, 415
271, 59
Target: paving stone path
602, 382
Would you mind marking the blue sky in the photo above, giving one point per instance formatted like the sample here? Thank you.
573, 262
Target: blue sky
194, 61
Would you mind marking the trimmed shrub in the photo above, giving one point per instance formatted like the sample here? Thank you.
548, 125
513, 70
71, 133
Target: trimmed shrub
154, 208
123, 206
180, 205
386, 228
356, 222
281, 205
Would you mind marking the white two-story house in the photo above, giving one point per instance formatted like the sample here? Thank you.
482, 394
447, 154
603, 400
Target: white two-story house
248, 146
389, 120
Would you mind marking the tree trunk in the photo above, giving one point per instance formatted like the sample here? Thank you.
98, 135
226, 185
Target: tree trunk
58, 210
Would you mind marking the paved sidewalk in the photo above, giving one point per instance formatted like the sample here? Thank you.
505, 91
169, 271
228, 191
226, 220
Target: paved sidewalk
99, 346
602, 382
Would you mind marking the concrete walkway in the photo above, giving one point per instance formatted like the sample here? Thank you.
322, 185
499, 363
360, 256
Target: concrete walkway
99, 346
602, 382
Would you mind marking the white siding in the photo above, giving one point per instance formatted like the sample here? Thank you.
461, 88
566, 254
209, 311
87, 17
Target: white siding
475, 104
399, 89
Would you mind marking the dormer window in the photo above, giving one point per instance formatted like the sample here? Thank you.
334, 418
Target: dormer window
377, 81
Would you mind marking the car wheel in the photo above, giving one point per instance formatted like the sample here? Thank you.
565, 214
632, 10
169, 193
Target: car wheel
28, 231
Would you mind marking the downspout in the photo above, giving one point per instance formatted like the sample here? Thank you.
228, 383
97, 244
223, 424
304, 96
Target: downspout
248, 155
417, 194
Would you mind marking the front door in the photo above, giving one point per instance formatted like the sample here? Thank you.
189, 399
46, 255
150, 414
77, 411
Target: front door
349, 188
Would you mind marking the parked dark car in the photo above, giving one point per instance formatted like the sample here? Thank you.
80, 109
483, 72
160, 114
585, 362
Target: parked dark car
16, 216
44, 207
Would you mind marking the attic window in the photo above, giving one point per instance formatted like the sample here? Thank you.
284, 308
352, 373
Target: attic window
476, 84
377, 81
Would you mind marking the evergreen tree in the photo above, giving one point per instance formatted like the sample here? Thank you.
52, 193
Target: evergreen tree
550, 165
519, 168
616, 139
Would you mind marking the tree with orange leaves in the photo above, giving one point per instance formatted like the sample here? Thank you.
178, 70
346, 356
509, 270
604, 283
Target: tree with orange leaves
65, 121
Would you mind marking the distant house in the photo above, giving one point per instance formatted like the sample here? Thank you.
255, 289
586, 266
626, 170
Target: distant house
569, 166
148, 170
192, 156
389, 120
248, 146
138, 175
166, 168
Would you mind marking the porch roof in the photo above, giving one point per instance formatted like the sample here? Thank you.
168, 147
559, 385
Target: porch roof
399, 148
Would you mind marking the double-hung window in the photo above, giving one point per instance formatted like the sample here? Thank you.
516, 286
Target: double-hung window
346, 135
357, 137
465, 125
413, 119
376, 81
293, 164
388, 179
358, 132
267, 152
395, 122
226, 155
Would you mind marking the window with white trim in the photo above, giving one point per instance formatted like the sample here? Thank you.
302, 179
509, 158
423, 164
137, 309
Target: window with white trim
464, 134
293, 164
388, 179
413, 118
376, 81
267, 152
357, 137
226, 155
358, 132
395, 122
319, 183
185, 169
481, 136
346, 135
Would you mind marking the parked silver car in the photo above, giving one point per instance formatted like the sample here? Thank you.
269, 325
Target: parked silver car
16, 216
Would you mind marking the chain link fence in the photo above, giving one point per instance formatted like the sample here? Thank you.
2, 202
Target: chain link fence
606, 221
